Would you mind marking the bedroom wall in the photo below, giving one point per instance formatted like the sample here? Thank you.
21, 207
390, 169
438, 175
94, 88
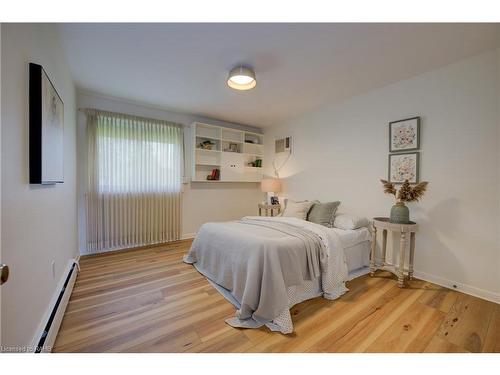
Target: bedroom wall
340, 152
31, 214
201, 202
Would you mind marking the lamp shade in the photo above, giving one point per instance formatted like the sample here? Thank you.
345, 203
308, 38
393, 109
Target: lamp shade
270, 185
241, 78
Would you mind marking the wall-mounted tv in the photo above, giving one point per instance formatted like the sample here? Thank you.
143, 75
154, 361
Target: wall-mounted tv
46, 124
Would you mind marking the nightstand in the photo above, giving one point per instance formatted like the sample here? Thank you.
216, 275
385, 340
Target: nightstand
269, 208
385, 225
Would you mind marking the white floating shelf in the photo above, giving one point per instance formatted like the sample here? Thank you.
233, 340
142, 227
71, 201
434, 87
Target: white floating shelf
209, 164
232, 165
204, 149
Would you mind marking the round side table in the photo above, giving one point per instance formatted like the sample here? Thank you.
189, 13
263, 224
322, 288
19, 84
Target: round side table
385, 225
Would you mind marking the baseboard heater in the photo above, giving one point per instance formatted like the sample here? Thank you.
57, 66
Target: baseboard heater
51, 328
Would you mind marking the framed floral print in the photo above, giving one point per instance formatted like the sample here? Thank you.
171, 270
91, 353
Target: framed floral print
404, 135
404, 166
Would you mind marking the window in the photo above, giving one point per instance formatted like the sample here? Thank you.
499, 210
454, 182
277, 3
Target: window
134, 181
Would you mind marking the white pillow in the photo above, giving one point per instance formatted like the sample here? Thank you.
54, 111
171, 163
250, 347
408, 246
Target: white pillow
296, 209
347, 221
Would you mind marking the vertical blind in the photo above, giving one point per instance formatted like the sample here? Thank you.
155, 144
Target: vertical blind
134, 181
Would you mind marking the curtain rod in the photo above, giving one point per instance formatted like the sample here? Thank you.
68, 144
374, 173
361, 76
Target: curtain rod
87, 110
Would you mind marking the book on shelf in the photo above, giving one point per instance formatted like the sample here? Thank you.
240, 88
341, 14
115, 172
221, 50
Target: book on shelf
215, 175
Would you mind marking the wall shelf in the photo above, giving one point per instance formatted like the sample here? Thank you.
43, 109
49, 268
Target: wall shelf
233, 166
206, 150
209, 164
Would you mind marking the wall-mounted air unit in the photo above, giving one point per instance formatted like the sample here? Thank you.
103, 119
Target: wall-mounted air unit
283, 145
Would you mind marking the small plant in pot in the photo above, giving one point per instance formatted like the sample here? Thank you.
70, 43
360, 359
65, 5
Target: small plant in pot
400, 214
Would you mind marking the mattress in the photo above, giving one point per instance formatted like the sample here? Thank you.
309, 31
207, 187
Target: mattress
352, 237
357, 250
358, 259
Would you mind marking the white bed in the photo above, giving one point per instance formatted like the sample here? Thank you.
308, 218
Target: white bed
347, 256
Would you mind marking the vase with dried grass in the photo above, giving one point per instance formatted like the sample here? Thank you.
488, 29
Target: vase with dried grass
400, 214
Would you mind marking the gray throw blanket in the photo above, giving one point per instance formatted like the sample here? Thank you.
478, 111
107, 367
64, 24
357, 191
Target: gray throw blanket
256, 261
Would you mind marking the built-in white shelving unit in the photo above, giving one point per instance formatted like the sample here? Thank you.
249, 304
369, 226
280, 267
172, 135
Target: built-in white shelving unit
234, 152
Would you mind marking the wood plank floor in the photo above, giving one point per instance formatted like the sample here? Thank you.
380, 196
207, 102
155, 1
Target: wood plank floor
147, 300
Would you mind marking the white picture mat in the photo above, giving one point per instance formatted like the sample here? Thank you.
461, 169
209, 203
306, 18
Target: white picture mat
52, 133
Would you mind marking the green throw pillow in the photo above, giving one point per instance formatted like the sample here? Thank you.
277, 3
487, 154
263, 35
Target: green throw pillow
323, 213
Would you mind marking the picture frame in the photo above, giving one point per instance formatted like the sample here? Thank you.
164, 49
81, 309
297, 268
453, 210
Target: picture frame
46, 129
233, 147
404, 135
402, 166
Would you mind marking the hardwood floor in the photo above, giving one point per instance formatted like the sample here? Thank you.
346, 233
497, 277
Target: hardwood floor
147, 300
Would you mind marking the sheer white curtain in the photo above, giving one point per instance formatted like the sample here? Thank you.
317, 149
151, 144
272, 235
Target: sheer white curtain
134, 181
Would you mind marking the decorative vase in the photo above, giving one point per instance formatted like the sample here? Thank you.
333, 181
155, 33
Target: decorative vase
400, 214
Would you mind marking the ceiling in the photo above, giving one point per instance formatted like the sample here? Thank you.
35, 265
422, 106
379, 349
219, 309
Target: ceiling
184, 67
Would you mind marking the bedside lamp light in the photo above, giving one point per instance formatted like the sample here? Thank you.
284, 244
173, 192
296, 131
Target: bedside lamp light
271, 186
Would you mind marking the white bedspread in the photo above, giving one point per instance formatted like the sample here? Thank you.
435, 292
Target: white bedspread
213, 238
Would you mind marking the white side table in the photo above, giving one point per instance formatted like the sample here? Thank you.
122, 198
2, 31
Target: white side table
385, 225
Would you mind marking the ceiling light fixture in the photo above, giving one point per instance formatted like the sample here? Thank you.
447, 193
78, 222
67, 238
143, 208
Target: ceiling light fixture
241, 78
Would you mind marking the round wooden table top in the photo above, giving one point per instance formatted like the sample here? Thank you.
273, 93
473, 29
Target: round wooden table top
387, 220
385, 223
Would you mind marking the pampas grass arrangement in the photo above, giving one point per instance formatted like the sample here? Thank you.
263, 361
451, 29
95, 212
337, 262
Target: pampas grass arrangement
406, 192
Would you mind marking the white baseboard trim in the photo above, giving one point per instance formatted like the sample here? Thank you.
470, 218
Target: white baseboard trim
464, 288
57, 319
188, 236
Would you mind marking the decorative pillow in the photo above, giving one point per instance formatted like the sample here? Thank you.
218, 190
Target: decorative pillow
346, 221
296, 209
323, 213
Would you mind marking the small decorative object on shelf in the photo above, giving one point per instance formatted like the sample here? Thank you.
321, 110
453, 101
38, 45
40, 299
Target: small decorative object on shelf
256, 164
214, 176
400, 214
207, 145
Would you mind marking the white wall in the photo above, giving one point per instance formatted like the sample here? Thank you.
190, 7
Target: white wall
201, 202
38, 222
340, 152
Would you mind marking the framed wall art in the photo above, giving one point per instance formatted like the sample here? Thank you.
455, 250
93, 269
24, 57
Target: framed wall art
404, 166
46, 129
404, 135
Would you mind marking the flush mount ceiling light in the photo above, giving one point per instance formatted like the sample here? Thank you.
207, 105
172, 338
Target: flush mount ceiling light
241, 78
